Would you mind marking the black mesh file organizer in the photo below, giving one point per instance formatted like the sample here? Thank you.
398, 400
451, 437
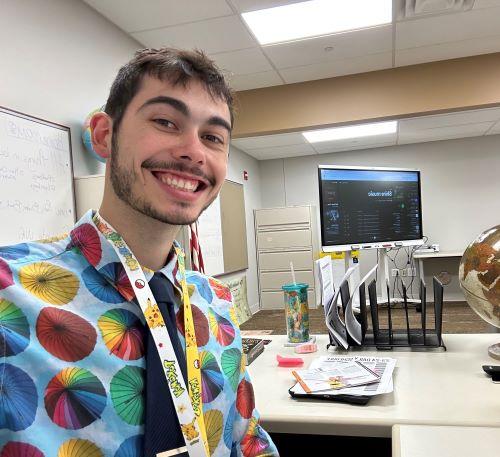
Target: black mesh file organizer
382, 333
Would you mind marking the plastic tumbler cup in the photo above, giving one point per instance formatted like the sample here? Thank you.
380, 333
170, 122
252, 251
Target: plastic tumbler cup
297, 312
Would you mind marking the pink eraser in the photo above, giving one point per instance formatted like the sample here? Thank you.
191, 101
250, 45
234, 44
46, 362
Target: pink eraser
289, 361
306, 348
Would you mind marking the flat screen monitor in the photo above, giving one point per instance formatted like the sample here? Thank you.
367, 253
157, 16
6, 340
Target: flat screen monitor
369, 208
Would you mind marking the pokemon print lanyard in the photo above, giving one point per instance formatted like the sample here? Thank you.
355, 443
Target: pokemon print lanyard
187, 402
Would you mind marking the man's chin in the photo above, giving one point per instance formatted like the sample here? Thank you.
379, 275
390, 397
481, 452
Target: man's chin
170, 217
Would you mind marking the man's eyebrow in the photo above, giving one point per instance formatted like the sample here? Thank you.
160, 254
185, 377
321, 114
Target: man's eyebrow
216, 120
183, 108
163, 99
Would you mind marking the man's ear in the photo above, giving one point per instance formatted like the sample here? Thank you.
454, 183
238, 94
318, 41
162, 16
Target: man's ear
101, 128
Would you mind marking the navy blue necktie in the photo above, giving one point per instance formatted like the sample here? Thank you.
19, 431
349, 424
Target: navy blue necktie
162, 429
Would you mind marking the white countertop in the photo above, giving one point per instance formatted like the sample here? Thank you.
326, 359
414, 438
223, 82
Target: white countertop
432, 441
430, 388
435, 255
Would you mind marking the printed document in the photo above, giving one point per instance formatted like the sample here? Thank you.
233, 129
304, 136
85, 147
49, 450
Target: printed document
382, 366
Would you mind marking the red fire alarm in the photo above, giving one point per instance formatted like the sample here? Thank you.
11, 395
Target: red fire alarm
245, 175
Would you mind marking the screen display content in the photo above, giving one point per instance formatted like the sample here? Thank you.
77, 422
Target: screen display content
360, 206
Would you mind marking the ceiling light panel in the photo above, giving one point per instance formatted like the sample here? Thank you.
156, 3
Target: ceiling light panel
316, 18
351, 131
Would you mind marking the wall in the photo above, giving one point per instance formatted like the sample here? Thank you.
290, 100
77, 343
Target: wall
58, 60
460, 188
434, 87
239, 161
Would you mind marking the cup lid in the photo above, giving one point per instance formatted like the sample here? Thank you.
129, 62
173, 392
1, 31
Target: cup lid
296, 286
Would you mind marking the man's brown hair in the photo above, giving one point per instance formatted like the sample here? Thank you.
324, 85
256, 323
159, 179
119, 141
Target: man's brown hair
176, 66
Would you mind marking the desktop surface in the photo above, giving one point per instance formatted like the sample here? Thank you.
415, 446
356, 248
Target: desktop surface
432, 387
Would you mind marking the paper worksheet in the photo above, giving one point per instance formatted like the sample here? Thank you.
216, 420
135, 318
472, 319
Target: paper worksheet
382, 366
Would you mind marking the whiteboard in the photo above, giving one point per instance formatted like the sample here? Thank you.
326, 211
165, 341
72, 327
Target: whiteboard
36, 178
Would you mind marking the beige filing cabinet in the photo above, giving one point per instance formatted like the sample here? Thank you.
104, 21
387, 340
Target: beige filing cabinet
285, 235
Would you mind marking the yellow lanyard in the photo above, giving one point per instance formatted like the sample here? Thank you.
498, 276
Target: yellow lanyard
187, 413
192, 355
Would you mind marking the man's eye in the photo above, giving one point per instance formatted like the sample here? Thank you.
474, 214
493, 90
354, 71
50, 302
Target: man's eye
164, 122
214, 139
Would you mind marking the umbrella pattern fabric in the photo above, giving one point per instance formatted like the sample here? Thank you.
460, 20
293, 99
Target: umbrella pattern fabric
232, 366
64, 334
202, 285
200, 324
220, 289
74, 398
127, 388
221, 328
123, 333
131, 447
79, 448
99, 287
72, 337
213, 423
85, 240
228, 428
116, 273
254, 443
50, 283
20, 449
6, 279
14, 252
14, 329
212, 380
245, 401
18, 398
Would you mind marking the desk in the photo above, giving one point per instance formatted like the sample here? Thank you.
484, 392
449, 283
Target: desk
421, 256
431, 441
430, 388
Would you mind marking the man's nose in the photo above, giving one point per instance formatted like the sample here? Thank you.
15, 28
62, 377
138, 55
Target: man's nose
191, 148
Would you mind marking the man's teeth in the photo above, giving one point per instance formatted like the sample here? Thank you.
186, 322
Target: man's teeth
179, 183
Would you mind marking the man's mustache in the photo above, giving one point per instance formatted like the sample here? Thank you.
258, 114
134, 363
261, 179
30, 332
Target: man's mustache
177, 166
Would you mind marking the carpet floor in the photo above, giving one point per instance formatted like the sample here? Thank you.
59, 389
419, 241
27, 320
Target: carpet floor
458, 317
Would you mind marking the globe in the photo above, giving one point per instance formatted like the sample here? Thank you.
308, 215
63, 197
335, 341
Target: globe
479, 276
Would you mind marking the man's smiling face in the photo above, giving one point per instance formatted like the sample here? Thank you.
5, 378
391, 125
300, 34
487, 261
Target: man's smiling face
169, 157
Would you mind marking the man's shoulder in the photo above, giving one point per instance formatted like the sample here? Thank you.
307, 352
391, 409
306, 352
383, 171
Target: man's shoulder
34, 251
212, 289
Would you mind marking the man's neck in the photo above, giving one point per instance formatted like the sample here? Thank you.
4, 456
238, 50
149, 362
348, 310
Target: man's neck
149, 239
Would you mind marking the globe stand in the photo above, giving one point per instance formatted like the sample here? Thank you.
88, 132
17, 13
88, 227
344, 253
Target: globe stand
494, 351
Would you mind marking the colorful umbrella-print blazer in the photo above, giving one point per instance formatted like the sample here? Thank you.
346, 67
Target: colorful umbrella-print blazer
72, 354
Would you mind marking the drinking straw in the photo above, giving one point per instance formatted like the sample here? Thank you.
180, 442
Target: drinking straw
293, 274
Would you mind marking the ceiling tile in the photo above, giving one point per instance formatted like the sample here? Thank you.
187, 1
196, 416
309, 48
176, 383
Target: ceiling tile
244, 6
255, 80
337, 68
346, 144
269, 141
448, 28
444, 51
447, 120
132, 16
375, 40
278, 152
444, 133
357, 147
244, 61
213, 35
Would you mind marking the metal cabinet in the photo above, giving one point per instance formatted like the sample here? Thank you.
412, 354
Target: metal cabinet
285, 235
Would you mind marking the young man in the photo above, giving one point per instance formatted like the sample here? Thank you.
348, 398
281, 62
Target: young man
111, 348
